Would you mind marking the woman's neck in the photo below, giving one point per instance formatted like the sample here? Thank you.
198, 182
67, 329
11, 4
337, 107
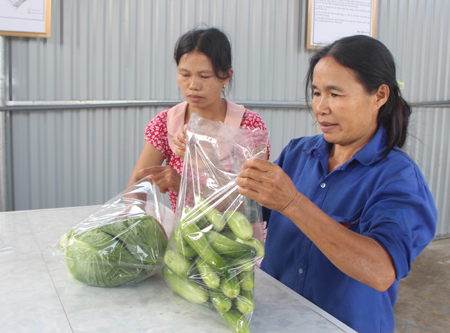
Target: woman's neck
339, 155
216, 112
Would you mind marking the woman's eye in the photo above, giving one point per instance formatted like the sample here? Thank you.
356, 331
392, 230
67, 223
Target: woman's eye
316, 93
334, 95
205, 77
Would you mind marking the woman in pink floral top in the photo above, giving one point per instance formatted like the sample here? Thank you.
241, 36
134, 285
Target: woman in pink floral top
203, 57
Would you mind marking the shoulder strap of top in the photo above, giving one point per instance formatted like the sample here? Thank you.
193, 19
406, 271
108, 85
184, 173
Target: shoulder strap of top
175, 122
234, 115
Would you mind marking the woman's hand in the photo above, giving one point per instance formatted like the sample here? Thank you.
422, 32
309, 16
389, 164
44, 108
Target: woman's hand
180, 141
267, 184
165, 177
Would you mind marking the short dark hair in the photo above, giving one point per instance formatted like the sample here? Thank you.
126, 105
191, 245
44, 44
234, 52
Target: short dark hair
210, 41
374, 65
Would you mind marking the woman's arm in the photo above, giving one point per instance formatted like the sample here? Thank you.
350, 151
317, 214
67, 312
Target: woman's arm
358, 256
149, 164
150, 156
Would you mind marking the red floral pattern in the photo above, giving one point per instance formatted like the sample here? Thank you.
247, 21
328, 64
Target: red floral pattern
156, 134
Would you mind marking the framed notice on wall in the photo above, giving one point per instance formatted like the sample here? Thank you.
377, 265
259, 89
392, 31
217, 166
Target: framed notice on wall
28, 18
329, 20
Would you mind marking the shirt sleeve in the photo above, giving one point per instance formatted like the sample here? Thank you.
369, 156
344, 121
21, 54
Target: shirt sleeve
156, 133
402, 218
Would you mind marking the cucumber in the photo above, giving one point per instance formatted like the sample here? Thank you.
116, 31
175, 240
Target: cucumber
236, 321
226, 246
202, 222
241, 264
208, 275
177, 263
239, 224
214, 216
221, 302
198, 241
247, 280
230, 286
228, 233
245, 302
194, 214
184, 287
182, 246
259, 247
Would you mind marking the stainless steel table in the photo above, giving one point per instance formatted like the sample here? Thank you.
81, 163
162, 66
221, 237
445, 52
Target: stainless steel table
38, 295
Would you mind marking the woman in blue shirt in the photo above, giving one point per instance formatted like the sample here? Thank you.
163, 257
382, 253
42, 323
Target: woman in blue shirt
347, 211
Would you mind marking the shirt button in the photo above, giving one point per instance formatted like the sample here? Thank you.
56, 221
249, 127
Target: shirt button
323, 185
300, 271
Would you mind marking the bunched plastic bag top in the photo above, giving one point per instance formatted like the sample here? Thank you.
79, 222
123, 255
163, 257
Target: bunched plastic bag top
217, 238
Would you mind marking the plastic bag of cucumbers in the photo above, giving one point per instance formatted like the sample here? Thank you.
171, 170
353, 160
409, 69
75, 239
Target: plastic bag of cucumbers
217, 237
122, 242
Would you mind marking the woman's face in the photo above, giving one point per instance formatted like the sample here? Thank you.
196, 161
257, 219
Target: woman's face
196, 78
346, 112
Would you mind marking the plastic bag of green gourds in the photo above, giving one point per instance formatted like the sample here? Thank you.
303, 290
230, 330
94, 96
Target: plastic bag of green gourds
217, 239
122, 242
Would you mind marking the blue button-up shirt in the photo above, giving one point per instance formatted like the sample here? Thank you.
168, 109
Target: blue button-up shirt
384, 198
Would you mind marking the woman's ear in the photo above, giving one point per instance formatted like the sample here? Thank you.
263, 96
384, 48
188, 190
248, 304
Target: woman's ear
382, 95
229, 75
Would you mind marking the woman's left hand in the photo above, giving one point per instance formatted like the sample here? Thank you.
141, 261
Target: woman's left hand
165, 177
267, 184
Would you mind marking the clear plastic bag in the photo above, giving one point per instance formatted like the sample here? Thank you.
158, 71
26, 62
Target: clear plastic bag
122, 242
217, 238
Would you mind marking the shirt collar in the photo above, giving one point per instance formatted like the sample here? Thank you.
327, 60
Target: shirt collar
370, 153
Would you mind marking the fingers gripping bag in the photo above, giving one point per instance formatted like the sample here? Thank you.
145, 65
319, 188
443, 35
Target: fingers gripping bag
217, 238
122, 242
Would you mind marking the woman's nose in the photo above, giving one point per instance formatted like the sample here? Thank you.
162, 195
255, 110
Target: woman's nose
194, 83
322, 106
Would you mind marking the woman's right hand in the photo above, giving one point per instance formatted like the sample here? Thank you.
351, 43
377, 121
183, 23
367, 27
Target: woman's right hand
180, 142
165, 177
267, 184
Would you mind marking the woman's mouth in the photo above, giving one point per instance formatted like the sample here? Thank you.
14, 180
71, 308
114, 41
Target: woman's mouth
326, 126
195, 98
